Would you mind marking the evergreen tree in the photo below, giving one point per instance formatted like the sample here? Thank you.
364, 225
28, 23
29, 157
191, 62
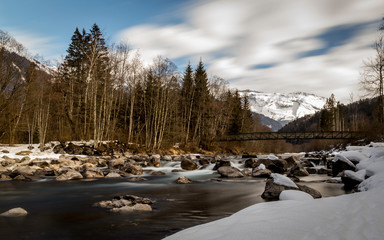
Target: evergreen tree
187, 100
200, 105
235, 126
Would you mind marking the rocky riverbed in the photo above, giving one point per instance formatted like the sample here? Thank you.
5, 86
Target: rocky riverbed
256, 175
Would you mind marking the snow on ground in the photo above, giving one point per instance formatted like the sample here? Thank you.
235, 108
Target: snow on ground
18, 148
354, 216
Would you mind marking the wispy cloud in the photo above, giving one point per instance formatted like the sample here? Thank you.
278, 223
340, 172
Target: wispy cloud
271, 45
36, 44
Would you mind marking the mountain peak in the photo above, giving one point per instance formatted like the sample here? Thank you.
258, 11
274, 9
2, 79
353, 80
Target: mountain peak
284, 107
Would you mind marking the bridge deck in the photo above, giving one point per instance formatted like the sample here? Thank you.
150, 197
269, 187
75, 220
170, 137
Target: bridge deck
292, 136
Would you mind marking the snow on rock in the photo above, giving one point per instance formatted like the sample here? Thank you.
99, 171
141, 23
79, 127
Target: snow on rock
294, 195
358, 176
272, 157
354, 156
342, 158
261, 167
283, 180
353, 216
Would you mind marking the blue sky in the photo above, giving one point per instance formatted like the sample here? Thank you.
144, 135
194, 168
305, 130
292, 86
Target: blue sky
265, 45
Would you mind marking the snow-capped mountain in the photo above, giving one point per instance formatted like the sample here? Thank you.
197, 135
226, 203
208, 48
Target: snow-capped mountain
284, 107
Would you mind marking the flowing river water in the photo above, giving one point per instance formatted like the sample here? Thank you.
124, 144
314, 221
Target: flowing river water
64, 210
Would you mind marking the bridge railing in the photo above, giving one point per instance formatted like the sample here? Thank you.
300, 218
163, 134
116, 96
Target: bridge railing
292, 136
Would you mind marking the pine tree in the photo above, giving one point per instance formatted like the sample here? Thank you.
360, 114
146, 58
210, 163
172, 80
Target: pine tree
187, 100
201, 99
235, 126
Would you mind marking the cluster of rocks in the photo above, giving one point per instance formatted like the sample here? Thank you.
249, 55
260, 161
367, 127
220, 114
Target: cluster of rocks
106, 161
126, 204
68, 168
265, 166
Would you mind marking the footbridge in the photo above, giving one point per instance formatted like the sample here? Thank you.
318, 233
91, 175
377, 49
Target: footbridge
293, 136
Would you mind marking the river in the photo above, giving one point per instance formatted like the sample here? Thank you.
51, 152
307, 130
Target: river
64, 210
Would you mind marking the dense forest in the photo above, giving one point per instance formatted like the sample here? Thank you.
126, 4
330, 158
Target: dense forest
105, 92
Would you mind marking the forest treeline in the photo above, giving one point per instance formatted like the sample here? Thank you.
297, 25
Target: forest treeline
102, 91
105, 92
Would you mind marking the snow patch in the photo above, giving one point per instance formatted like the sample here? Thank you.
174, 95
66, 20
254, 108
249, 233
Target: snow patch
340, 157
294, 195
283, 180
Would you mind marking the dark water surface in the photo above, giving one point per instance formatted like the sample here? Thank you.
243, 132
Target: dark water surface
63, 210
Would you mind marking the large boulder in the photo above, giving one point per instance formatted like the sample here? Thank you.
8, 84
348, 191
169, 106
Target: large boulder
59, 149
222, 163
93, 173
340, 163
24, 170
116, 163
299, 171
250, 163
204, 161
272, 190
14, 212
73, 149
314, 193
69, 175
187, 164
262, 173
276, 166
132, 169
230, 172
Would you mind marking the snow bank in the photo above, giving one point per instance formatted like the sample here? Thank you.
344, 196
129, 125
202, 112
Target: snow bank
353, 216
294, 195
283, 180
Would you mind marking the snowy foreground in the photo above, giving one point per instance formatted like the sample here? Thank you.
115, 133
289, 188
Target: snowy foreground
354, 216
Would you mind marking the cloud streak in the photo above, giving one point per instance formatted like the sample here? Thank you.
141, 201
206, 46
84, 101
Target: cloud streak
36, 44
270, 45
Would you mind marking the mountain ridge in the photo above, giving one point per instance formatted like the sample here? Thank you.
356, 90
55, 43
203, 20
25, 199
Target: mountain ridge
283, 107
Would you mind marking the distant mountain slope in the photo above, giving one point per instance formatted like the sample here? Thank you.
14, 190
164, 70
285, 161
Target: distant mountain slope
269, 122
284, 107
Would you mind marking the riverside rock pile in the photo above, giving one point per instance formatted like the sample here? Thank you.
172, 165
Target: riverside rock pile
74, 162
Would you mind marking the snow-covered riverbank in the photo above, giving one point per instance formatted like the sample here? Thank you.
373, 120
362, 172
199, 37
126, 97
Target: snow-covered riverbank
354, 216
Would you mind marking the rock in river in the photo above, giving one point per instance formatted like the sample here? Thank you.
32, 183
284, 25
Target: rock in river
230, 172
187, 164
183, 180
69, 175
127, 204
15, 212
272, 190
